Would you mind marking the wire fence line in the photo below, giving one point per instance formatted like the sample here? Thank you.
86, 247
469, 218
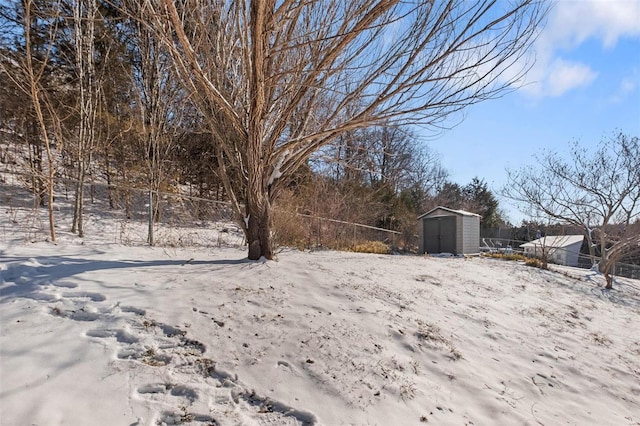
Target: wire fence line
308, 231
184, 219
583, 260
115, 187
182, 212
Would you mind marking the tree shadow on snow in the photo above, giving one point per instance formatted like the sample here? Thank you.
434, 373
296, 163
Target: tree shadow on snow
26, 276
625, 292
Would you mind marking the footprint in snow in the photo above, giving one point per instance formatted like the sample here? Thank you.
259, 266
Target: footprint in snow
121, 336
149, 356
133, 310
173, 418
184, 396
94, 297
81, 314
64, 284
44, 297
181, 391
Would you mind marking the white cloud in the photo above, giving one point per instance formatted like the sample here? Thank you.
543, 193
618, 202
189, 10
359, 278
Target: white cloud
573, 22
570, 24
564, 76
554, 77
627, 87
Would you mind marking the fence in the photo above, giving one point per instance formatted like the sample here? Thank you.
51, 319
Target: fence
121, 212
584, 261
308, 231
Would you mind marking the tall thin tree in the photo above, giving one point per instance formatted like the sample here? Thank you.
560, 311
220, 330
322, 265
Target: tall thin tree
84, 20
37, 30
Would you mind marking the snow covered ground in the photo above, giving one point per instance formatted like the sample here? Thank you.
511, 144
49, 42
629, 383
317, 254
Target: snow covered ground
96, 332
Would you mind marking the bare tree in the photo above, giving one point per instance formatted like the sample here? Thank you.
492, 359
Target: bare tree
624, 241
30, 71
84, 19
158, 93
277, 80
596, 192
381, 156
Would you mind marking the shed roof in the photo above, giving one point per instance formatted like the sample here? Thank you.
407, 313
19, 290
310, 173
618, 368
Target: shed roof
456, 212
555, 241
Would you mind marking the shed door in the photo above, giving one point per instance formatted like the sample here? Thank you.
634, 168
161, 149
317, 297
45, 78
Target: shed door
440, 235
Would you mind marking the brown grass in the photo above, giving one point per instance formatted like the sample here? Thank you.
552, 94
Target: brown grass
377, 247
529, 261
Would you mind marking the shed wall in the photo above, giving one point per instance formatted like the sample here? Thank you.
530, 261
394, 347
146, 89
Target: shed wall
470, 235
573, 254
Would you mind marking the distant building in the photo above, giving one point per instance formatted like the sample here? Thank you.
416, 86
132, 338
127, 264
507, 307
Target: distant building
560, 249
444, 230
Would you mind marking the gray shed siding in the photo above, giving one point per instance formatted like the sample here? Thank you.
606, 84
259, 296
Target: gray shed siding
467, 232
470, 234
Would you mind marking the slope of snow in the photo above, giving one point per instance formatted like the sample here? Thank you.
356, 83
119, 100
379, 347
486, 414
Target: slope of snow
101, 333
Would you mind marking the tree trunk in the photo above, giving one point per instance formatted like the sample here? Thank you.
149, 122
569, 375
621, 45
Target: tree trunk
77, 224
152, 209
258, 225
606, 265
107, 172
258, 205
258, 208
84, 15
604, 251
34, 92
590, 244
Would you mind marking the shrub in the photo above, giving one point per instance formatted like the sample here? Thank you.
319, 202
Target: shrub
506, 256
290, 230
536, 263
529, 261
377, 247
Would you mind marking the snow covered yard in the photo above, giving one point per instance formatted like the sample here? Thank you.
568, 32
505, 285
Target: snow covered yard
98, 333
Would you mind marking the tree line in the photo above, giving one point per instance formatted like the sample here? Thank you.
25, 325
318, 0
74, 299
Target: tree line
245, 100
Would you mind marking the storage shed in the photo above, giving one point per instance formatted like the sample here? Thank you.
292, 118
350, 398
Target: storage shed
444, 230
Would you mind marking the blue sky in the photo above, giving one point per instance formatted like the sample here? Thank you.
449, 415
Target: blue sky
584, 86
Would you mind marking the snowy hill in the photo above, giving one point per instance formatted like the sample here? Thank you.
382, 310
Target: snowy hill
96, 332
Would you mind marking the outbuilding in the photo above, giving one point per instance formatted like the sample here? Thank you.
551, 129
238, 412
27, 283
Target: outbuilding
444, 230
560, 249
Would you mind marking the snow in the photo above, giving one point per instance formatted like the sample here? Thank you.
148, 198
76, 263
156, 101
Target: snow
277, 173
96, 332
